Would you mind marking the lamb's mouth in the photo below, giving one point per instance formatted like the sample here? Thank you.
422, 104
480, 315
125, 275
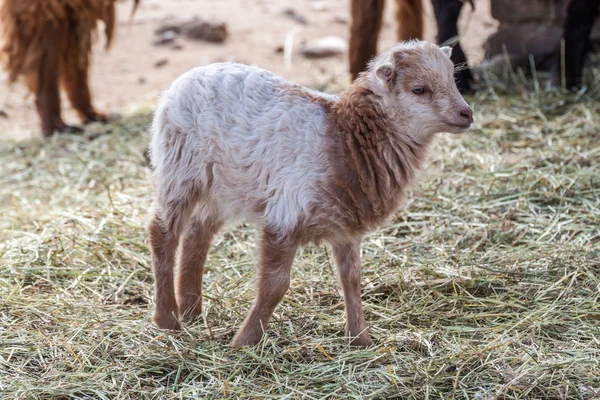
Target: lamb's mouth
461, 126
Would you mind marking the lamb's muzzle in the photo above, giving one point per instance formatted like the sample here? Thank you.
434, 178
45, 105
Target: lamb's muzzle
232, 142
467, 114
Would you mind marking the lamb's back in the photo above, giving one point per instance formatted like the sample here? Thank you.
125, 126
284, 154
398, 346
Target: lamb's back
236, 99
257, 138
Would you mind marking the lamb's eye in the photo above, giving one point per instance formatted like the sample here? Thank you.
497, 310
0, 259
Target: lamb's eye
418, 90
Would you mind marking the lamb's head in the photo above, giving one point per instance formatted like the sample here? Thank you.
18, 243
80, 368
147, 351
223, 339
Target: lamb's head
416, 82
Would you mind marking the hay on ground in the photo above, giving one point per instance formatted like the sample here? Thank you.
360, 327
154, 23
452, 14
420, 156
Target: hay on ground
485, 287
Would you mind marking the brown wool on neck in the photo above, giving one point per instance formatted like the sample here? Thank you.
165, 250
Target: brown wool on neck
373, 160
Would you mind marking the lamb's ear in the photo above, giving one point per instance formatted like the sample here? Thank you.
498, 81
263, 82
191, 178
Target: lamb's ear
398, 57
447, 50
385, 73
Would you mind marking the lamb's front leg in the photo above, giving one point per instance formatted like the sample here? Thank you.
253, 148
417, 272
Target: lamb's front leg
347, 257
275, 262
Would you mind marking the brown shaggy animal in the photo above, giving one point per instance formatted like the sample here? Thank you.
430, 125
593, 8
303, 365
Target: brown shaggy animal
48, 43
366, 18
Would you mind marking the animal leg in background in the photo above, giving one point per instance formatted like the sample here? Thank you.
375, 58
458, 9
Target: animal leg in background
194, 251
446, 15
43, 81
365, 24
409, 19
579, 22
276, 258
75, 71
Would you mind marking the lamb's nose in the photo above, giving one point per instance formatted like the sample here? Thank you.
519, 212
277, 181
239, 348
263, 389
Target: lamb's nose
467, 114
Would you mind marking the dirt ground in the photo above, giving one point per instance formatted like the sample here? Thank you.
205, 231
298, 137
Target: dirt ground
134, 72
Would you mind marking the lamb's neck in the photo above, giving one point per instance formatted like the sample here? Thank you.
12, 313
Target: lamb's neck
377, 156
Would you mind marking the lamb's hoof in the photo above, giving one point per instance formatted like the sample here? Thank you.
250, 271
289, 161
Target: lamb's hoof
166, 321
362, 340
190, 308
242, 339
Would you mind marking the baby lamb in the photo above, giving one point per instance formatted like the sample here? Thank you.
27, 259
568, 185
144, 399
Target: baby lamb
232, 142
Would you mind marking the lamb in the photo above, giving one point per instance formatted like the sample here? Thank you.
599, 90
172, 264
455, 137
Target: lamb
232, 142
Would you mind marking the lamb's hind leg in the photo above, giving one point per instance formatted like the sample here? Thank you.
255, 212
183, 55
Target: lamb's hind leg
164, 231
275, 262
194, 251
347, 257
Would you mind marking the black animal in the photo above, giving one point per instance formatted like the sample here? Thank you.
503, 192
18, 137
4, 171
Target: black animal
578, 25
446, 16
579, 21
